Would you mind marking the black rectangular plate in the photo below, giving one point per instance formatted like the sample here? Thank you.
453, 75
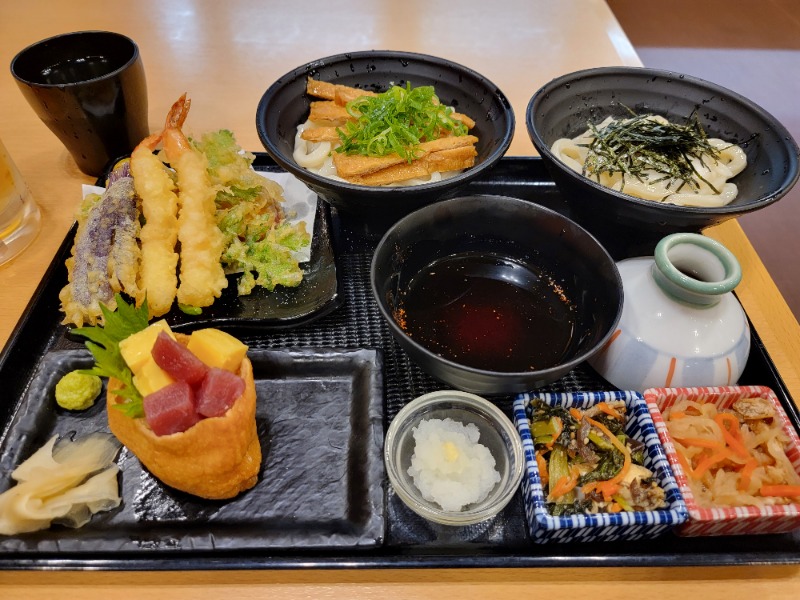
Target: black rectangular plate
409, 541
320, 483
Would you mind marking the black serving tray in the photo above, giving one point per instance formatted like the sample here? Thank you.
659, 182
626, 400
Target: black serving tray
409, 540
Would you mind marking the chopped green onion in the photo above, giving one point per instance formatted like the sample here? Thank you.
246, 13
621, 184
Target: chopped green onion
397, 121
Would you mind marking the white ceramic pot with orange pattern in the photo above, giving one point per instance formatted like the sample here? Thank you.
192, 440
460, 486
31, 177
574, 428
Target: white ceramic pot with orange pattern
681, 325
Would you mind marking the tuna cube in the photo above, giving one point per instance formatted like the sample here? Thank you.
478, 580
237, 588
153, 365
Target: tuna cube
177, 360
218, 392
171, 409
136, 348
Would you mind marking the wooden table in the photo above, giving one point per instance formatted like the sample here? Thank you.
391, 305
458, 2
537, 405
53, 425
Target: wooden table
225, 54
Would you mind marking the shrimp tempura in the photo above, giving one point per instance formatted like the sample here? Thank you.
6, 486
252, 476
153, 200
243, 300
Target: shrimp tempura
202, 277
155, 187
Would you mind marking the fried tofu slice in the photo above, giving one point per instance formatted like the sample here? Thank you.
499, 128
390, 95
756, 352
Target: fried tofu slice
464, 119
344, 94
321, 134
340, 95
328, 113
453, 159
320, 89
350, 166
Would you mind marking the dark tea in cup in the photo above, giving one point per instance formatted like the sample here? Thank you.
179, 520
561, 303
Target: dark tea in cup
89, 88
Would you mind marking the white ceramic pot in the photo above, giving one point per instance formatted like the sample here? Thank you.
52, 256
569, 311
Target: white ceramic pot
681, 325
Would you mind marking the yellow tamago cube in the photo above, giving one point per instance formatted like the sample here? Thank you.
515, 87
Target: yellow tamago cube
217, 349
151, 378
137, 348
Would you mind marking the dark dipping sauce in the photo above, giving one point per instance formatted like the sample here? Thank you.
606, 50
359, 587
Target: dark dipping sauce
488, 312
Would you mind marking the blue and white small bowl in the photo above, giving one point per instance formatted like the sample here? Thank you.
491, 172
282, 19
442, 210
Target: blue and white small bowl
544, 527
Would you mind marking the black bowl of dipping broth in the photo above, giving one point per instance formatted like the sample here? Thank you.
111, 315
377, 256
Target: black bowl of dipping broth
285, 105
495, 295
564, 107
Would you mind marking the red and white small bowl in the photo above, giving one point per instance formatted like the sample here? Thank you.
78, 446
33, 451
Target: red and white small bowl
724, 520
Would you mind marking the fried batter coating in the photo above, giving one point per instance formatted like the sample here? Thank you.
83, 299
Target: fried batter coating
105, 255
202, 277
154, 185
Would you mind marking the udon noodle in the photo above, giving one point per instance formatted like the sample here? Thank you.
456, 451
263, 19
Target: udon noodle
709, 186
317, 157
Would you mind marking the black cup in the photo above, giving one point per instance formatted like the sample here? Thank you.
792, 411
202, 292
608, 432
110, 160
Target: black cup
89, 88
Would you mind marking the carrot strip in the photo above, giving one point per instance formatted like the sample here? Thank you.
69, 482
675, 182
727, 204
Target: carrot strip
559, 427
544, 475
614, 508
709, 461
746, 474
626, 465
733, 436
609, 410
606, 488
788, 491
564, 486
677, 414
701, 442
576, 414
685, 463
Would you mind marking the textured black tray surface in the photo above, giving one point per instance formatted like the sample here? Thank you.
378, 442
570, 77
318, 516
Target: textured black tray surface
409, 540
321, 479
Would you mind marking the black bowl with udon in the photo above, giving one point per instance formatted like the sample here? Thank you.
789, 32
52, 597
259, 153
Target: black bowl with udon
564, 107
285, 105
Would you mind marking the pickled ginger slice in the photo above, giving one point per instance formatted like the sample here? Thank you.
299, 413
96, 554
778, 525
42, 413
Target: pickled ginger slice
65, 482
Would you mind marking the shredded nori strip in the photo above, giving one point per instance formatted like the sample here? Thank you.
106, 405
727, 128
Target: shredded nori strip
641, 143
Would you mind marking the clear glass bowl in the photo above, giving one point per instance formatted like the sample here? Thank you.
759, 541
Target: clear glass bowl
497, 433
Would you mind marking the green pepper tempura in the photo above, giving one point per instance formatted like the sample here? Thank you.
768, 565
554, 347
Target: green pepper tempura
259, 240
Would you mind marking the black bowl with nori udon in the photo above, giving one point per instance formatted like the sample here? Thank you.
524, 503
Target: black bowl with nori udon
285, 105
565, 106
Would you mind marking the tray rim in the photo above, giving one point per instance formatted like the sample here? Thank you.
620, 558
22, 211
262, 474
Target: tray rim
581, 555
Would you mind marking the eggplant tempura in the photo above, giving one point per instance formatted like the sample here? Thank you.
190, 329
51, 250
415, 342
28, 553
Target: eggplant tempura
105, 256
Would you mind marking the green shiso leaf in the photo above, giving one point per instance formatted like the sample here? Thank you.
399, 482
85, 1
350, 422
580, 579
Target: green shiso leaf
103, 342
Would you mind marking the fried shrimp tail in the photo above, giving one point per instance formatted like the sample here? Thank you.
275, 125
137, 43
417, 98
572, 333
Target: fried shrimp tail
202, 277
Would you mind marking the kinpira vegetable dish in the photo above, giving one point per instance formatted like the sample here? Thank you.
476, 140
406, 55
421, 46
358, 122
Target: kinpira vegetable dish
588, 464
403, 136
171, 233
652, 158
733, 457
